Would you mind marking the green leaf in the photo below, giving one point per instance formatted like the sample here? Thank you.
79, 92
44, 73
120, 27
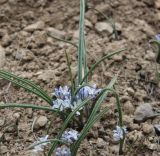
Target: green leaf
111, 21
98, 62
75, 147
66, 41
66, 122
26, 84
41, 142
92, 116
70, 73
14, 105
81, 48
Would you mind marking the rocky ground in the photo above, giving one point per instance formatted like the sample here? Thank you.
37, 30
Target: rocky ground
28, 49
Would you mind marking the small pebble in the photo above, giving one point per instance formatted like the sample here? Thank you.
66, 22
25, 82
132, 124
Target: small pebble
103, 26
3, 149
40, 122
143, 112
147, 128
35, 26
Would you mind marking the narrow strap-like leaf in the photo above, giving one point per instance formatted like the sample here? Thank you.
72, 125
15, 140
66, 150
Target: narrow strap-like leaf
66, 122
8, 105
81, 41
89, 123
26, 84
75, 147
70, 73
42, 142
98, 62
60, 39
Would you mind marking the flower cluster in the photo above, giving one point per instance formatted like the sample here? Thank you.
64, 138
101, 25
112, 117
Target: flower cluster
40, 146
63, 93
62, 151
65, 100
88, 92
119, 133
70, 136
63, 96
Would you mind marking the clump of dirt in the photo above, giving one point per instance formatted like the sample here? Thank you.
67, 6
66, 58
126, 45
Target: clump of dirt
26, 36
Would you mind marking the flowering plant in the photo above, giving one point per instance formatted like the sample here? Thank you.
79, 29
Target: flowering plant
79, 106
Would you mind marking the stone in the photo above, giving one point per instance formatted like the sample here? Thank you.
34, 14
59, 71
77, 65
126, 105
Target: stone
152, 146
118, 26
17, 115
135, 35
35, 26
103, 7
145, 27
130, 91
36, 3
29, 15
29, 112
13, 2
40, 38
144, 112
91, 17
31, 153
76, 34
6, 40
3, 1
3, 149
1, 135
157, 129
40, 122
151, 56
125, 98
135, 136
140, 95
128, 107
103, 26
117, 58
88, 24
2, 121
134, 126
149, 3
114, 150
25, 56
155, 153
52, 32
147, 129
157, 4
157, 15
46, 75
3, 32
127, 120
101, 143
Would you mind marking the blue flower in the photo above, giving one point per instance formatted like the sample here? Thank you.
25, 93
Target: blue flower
61, 104
62, 93
119, 133
62, 151
88, 92
39, 148
157, 37
64, 100
70, 136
